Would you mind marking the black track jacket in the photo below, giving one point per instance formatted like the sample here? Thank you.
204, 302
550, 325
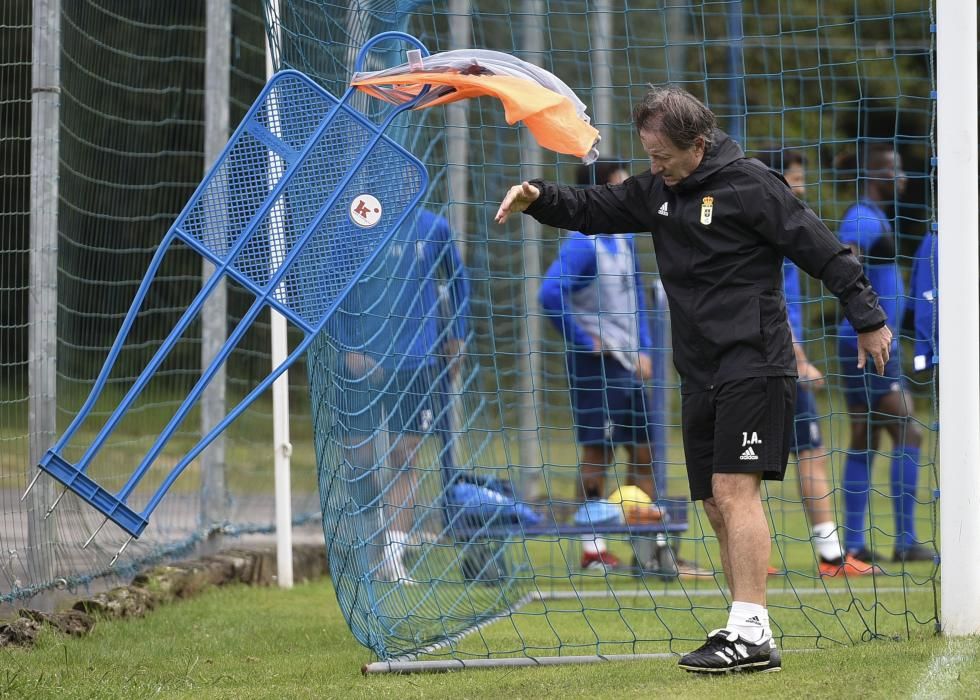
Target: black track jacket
720, 236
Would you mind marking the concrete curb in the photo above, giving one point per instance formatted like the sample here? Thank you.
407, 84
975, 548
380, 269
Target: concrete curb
166, 584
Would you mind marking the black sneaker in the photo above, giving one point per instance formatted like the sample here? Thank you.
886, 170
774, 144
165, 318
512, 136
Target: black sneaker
725, 651
775, 664
866, 555
914, 553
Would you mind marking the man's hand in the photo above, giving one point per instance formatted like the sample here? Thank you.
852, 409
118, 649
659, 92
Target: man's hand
452, 349
358, 364
877, 344
596, 344
644, 367
518, 198
810, 377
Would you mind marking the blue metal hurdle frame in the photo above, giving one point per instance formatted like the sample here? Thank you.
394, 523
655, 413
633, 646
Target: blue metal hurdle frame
248, 256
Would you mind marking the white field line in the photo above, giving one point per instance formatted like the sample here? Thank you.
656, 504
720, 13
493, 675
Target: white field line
939, 680
654, 594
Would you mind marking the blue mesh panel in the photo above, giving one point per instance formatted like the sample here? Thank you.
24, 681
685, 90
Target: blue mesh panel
293, 111
308, 190
275, 210
232, 197
339, 247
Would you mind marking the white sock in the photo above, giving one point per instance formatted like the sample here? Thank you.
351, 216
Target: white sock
595, 545
826, 541
751, 621
392, 567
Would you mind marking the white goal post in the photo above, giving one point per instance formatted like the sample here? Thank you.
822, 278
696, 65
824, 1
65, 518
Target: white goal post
282, 447
959, 321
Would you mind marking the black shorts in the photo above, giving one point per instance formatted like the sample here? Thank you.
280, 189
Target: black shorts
743, 426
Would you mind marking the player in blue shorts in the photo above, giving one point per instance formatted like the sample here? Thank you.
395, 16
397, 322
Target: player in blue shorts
815, 483
593, 295
879, 402
390, 387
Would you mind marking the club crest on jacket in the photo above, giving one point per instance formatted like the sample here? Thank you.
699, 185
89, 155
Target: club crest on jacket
707, 205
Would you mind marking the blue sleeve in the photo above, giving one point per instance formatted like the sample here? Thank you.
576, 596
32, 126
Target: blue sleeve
574, 269
356, 322
925, 298
456, 274
642, 317
861, 226
794, 298
888, 283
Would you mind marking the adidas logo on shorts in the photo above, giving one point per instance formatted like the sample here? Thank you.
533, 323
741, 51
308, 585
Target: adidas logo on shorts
749, 455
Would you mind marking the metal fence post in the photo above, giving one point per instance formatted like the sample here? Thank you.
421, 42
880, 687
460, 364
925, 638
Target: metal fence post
214, 315
43, 305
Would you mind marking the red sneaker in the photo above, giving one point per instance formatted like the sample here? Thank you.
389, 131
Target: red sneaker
849, 566
599, 561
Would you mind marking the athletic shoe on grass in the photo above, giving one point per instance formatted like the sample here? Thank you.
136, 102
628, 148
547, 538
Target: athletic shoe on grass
914, 553
848, 566
599, 561
726, 651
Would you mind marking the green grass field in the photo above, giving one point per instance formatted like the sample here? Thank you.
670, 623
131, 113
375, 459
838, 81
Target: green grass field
265, 643
242, 643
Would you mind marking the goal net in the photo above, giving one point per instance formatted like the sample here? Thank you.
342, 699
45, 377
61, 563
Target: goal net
450, 450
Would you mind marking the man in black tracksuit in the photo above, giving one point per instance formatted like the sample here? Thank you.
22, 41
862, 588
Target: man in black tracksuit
722, 224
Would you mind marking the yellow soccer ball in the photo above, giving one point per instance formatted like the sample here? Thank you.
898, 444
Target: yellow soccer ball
631, 496
637, 505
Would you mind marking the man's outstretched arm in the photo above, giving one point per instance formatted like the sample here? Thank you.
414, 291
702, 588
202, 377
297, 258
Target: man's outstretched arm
591, 210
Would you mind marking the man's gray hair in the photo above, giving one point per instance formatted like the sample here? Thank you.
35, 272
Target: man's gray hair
676, 113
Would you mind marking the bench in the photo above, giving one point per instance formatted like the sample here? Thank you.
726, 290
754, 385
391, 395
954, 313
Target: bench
481, 542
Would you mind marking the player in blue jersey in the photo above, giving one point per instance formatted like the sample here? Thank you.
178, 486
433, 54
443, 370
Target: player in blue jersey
593, 295
399, 335
925, 303
876, 402
815, 484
